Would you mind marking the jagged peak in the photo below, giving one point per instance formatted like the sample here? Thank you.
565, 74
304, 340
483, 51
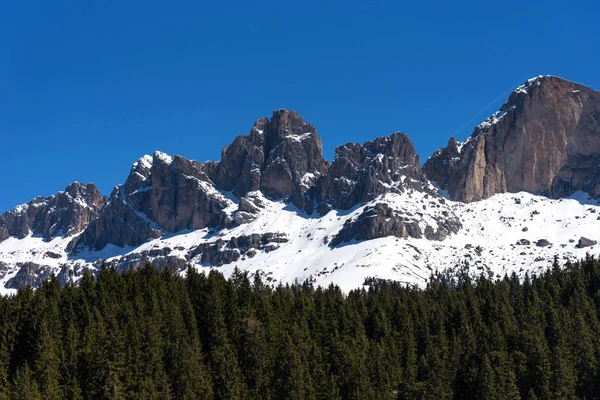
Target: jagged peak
380, 144
77, 187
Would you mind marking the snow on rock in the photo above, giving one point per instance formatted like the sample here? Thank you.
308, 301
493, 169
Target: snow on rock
487, 242
145, 162
159, 155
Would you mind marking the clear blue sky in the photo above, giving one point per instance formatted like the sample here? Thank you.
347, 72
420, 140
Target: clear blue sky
89, 86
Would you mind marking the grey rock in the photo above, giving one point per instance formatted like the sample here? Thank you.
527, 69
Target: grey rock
249, 207
29, 274
381, 220
119, 224
542, 243
585, 242
223, 252
159, 259
183, 197
3, 269
50, 254
162, 194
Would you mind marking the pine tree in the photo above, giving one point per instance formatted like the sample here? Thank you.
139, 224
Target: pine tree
47, 364
24, 386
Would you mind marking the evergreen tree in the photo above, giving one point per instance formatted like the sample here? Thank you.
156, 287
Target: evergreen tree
24, 386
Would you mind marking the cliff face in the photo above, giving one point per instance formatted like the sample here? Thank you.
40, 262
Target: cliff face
545, 139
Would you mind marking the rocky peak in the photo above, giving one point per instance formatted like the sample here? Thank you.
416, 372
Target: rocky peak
544, 139
274, 157
162, 193
361, 173
66, 213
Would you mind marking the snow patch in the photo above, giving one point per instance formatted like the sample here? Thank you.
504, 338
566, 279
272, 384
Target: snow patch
163, 157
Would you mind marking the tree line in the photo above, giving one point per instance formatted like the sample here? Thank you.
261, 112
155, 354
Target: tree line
151, 334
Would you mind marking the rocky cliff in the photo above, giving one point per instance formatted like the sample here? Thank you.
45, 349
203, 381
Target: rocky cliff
64, 214
544, 140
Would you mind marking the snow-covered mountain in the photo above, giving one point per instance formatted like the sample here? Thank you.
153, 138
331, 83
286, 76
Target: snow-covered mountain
272, 205
502, 234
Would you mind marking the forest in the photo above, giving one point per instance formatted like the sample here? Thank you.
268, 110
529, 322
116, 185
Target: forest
149, 334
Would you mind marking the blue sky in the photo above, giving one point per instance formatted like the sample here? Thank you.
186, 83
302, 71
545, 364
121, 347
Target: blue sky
87, 87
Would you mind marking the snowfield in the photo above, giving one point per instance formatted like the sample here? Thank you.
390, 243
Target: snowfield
498, 236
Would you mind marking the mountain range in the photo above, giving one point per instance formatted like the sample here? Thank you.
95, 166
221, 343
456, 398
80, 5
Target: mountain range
521, 189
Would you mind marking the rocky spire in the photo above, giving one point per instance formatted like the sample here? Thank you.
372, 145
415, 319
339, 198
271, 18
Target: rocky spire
274, 157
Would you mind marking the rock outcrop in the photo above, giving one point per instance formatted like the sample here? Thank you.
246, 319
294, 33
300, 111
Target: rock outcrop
381, 220
63, 214
585, 242
222, 252
183, 197
544, 140
119, 224
280, 160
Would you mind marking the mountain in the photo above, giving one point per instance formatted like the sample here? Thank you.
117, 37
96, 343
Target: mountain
521, 189
545, 139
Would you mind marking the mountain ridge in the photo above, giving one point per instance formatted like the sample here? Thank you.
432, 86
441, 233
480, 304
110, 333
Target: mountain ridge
173, 211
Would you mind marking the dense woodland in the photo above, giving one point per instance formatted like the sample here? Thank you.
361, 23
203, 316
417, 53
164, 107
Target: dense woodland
156, 335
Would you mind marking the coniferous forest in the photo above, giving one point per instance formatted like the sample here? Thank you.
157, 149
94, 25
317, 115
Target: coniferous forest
155, 335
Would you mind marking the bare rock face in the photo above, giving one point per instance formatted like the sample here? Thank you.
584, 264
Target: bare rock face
248, 208
545, 140
119, 224
29, 274
281, 158
361, 173
162, 194
32, 274
380, 220
138, 186
63, 214
183, 197
274, 157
